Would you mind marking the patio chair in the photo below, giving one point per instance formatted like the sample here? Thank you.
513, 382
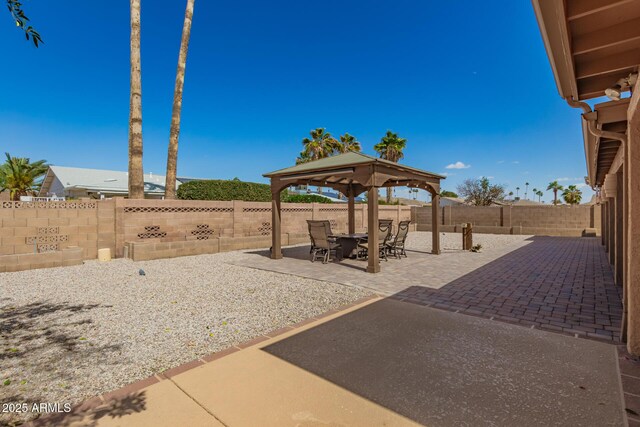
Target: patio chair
395, 246
327, 225
321, 245
384, 233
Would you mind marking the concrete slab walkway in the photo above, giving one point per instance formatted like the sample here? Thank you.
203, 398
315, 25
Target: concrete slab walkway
384, 362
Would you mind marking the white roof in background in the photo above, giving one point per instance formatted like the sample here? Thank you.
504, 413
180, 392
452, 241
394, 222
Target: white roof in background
101, 180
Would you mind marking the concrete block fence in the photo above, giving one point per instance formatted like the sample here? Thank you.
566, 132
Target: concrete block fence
35, 234
45, 234
538, 220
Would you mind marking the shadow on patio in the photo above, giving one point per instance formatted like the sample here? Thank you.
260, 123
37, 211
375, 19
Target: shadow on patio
439, 368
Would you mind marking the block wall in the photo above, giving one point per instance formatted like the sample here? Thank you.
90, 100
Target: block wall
544, 220
41, 227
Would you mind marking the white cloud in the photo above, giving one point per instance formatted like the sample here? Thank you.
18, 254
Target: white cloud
458, 165
447, 174
580, 185
516, 162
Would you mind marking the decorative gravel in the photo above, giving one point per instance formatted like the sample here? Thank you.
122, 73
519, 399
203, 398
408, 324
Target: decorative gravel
70, 333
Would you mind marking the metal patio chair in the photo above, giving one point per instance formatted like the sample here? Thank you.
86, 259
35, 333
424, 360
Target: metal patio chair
395, 246
384, 233
322, 246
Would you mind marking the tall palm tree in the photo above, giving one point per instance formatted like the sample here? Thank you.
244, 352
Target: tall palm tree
539, 193
136, 175
391, 148
572, 195
555, 187
174, 133
20, 176
517, 190
321, 144
526, 190
348, 143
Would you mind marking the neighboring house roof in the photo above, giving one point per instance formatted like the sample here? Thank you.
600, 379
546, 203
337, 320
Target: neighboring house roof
454, 200
409, 202
99, 180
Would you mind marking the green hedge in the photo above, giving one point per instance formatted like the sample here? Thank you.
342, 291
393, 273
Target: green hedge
217, 189
305, 198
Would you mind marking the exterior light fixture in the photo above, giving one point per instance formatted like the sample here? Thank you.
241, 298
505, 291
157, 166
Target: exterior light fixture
615, 92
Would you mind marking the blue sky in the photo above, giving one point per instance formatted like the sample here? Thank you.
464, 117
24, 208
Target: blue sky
464, 81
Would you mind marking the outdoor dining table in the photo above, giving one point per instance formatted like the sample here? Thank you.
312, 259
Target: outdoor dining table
349, 243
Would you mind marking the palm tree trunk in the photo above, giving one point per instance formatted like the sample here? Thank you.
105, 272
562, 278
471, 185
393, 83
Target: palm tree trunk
174, 133
136, 175
388, 194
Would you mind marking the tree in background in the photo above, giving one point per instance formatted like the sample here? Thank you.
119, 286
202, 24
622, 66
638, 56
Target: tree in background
572, 195
511, 194
555, 187
21, 20
136, 175
174, 132
517, 191
391, 148
447, 193
539, 193
21, 177
480, 192
526, 190
321, 144
348, 143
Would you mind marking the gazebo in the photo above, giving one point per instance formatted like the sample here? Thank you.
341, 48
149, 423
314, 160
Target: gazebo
351, 174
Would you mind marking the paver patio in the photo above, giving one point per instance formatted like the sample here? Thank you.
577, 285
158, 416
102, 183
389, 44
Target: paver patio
562, 284
420, 267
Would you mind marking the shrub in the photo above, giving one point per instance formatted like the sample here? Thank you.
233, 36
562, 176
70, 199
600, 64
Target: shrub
217, 189
305, 198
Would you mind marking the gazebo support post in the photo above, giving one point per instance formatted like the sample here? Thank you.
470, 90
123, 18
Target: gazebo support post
351, 208
435, 223
276, 228
372, 230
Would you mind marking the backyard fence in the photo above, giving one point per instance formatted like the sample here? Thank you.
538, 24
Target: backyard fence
35, 234
539, 220
44, 227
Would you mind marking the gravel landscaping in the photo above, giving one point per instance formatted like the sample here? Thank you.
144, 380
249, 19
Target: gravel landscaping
70, 333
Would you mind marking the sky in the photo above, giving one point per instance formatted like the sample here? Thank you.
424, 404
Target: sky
467, 83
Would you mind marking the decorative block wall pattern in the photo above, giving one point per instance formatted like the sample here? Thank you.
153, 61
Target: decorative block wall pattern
39, 227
